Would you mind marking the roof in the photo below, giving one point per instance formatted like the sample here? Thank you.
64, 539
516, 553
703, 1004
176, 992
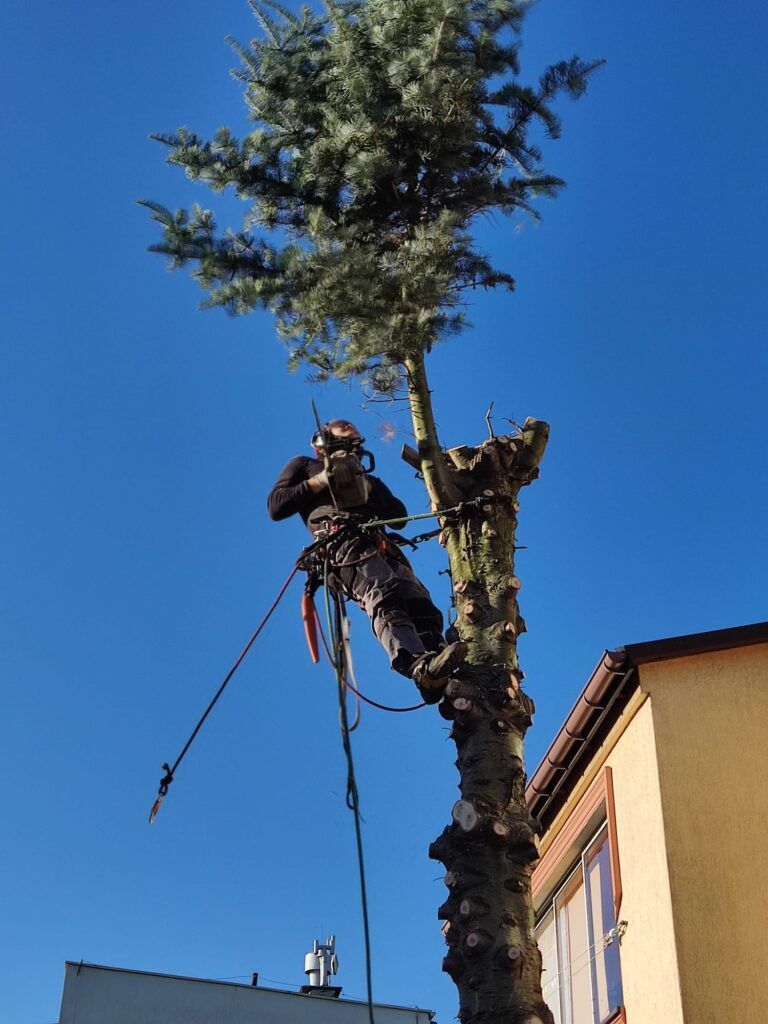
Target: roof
289, 999
605, 694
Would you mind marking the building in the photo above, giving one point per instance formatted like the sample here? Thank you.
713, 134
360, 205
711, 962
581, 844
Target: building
651, 891
94, 994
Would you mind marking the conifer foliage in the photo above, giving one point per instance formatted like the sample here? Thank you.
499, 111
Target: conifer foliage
381, 130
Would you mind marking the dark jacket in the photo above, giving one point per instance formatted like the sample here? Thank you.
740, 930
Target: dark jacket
291, 495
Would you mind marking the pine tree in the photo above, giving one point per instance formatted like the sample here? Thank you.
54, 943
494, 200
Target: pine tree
382, 129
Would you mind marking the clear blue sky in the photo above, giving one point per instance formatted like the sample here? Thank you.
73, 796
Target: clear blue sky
140, 437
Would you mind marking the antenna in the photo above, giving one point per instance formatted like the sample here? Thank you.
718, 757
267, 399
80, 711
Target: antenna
319, 966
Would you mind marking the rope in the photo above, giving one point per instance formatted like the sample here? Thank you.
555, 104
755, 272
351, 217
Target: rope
170, 772
349, 664
357, 693
353, 797
374, 523
472, 503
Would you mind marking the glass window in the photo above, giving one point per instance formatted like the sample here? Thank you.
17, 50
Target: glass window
579, 944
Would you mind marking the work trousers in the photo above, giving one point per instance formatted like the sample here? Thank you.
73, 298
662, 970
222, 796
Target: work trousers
380, 578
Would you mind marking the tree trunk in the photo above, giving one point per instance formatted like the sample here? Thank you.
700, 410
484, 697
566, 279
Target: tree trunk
489, 848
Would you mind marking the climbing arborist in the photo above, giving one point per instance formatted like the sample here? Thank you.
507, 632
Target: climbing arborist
334, 491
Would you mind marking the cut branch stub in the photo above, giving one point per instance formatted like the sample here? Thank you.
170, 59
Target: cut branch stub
472, 611
477, 942
462, 704
462, 586
458, 688
466, 815
500, 830
460, 881
453, 963
446, 911
442, 847
469, 908
509, 957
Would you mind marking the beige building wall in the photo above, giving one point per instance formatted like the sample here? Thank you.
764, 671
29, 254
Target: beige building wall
649, 972
648, 958
710, 717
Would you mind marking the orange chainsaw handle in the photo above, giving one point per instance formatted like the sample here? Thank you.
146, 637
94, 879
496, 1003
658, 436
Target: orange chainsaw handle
309, 618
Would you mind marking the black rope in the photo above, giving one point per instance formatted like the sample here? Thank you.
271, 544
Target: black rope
170, 772
353, 796
353, 689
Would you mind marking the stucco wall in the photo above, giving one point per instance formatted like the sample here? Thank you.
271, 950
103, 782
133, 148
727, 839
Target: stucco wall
648, 957
710, 716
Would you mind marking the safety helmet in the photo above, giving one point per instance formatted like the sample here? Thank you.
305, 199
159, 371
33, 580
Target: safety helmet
324, 439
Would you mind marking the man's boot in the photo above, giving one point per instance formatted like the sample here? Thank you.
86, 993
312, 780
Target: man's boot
431, 671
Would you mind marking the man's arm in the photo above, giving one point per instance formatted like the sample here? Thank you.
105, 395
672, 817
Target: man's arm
293, 487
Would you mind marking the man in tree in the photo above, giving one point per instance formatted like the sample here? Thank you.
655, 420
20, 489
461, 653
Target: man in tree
383, 130
369, 567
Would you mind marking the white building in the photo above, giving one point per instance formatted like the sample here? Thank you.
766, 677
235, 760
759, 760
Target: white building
94, 994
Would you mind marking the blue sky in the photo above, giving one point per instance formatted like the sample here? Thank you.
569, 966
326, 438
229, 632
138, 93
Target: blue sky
140, 438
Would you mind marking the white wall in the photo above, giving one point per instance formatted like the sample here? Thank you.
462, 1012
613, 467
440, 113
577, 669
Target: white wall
105, 995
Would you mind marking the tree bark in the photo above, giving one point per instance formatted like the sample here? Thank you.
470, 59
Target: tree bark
490, 846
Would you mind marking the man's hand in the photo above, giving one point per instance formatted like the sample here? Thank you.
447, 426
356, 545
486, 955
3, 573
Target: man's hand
318, 482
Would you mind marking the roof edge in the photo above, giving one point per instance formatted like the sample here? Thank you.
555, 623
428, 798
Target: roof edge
236, 984
697, 643
603, 688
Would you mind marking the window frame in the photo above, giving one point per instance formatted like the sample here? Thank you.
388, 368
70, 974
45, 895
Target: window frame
556, 868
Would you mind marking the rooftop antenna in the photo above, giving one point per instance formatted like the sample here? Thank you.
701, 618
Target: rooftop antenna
319, 966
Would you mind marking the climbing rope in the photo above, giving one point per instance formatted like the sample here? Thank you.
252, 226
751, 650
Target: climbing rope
169, 771
352, 686
335, 635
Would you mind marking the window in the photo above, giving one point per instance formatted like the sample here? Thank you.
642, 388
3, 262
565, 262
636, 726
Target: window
577, 893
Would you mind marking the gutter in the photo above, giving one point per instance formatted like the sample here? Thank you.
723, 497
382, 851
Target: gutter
591, 707
605, 685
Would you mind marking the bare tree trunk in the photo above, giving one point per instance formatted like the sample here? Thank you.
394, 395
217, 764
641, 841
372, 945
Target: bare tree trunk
489, 848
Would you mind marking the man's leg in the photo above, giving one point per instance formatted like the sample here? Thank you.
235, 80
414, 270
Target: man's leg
371, 580
389, 591
430, 672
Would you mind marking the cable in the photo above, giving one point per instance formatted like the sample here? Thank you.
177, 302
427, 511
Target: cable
599, 946
353, 801
350, 686
384, 707
167, 779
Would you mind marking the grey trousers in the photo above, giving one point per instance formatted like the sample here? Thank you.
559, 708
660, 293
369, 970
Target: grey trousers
403, 617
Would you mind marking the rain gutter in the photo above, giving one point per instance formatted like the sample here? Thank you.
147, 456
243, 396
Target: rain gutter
594, 703
612, 679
